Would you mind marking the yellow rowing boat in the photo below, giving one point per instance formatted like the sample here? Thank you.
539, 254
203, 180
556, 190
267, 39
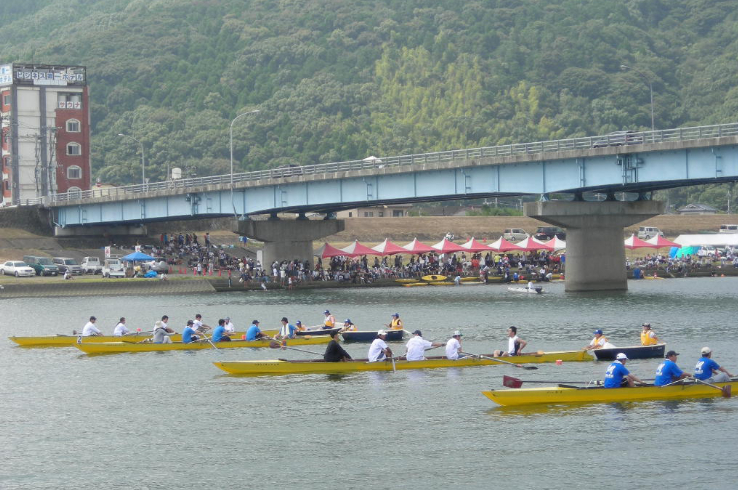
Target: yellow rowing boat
282, 366
70, 340
564, 394
119, 347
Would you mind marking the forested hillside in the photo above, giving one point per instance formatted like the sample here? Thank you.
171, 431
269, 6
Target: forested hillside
339, 80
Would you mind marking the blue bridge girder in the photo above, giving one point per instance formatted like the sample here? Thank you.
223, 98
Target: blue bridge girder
645, 162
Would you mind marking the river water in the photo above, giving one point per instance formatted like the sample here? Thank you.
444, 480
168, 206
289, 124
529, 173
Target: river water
173, 420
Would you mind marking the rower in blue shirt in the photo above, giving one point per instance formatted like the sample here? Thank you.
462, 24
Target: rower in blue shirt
219, 332
254, 333
617, 376
188, 334
709, 370
668, 371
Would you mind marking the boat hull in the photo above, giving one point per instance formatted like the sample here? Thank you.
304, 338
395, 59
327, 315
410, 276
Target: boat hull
369, 336
70, 340
120, 347
633, 352
325, 331
279, 366
567, 395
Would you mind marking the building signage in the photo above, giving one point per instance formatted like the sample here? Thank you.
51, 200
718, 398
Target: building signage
6, 75
48, 75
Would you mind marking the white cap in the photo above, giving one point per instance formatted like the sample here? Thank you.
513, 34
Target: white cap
457, 333
706, 350
381, 332
621, 356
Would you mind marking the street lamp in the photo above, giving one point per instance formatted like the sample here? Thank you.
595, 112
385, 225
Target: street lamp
650, 87
143, 157
231, 133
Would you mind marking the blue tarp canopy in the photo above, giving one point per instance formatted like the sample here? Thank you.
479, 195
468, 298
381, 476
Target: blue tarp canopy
137, 256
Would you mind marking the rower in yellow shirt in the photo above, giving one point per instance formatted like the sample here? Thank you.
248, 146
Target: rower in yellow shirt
648, 336
396, 323
330, 320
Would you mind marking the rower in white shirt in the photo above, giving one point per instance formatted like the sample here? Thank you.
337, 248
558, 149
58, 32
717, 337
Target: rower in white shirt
90, 328
453, 346
416, 347
120, 328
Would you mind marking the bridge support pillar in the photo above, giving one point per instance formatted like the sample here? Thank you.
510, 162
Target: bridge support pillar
288, 239
595, 252
101, 230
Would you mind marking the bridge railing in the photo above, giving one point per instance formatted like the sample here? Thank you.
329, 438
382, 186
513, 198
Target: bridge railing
584, 143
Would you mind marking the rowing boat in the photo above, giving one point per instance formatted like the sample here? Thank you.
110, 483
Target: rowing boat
70, 340
318, 331
535, 290
282, 366
564, 394
633, 352
118, 347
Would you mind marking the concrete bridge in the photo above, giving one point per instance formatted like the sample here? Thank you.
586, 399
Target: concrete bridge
634, 162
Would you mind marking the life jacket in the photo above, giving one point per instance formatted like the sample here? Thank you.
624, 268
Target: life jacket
646, 338
396, 324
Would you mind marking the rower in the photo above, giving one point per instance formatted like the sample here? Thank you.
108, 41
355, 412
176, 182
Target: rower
617, 376
396, 323
416, 347
334, 352
709, 370
300, 326
515, 344
254, 332
90, 329
453, 346
287, 330
219, 334
161, 333
379, 351
668, 371
188, 333
348, 326
121, 329
198, 325
329, 321
648, 336
598, 342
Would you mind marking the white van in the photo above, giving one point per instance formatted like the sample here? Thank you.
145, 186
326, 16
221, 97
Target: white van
514, 234
646, 232
113, 268
728, 228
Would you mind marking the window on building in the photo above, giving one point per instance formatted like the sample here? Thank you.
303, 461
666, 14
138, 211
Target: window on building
397, 213
6, 99
381, 214
74, 172
350, 214
73, 126
368, 214
74, 149
70, 100
6, 162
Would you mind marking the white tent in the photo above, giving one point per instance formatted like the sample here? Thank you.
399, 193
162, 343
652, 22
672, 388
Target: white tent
714, 239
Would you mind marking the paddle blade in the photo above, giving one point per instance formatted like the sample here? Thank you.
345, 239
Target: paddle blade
511, 382
727, 391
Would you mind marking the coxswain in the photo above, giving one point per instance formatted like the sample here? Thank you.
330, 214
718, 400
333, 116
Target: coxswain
229, 327
648, 336
396, 323
668, 371
617, 376
709, 370
379, 351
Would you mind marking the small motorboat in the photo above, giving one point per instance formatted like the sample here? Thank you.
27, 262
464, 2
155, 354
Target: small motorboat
633, 352
535, 290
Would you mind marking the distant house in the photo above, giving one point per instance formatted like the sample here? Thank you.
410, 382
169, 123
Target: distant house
697, 209
386, 211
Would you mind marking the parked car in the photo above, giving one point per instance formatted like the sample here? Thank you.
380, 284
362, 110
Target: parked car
113, 268
728, 229
67, 263
545, 233
514, 234
619, 138
157, 265
43, 266
17, 268
646, 232
91, 265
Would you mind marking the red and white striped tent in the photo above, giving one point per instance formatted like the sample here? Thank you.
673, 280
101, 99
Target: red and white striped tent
327, 251
502, 245
446, 246
415, 247
356, 249
634, 242
389, 248
474, 246
556, 243
530, 244
660, 242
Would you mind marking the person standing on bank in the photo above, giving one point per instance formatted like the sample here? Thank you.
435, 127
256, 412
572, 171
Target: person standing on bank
709, 370
334, 352
668, 371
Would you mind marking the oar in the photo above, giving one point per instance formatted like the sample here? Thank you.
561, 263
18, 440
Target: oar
210, 341
276, 345
725, 390
499, 360
511, 382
